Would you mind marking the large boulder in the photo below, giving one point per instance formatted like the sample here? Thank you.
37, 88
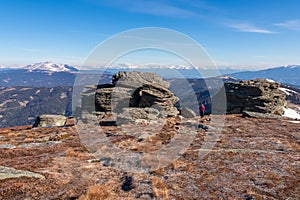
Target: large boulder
187, 113
257, 95
47, 120
129, 92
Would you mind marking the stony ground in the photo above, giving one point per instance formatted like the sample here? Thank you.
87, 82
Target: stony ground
250, 159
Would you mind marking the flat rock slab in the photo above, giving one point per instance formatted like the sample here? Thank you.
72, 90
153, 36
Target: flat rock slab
7, 146
261, 115
9, 172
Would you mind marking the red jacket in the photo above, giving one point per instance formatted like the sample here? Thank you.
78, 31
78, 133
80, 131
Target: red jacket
202, 108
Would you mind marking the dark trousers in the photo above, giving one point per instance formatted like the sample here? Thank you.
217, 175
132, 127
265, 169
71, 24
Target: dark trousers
201, 113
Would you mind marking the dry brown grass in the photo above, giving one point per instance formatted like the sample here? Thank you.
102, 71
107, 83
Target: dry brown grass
98, 192
253, 158
78, 154
160, 188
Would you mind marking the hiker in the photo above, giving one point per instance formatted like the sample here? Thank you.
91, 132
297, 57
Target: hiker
202, 110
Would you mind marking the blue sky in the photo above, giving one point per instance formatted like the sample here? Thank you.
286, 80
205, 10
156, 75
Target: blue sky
235, 33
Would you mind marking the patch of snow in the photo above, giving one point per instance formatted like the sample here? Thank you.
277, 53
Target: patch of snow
24, 89
38, 91
291, 113
291, 66
23, 104
63, 95
6, 102
295, 122
270, 80
180, 67
228, 77
6, 80
287, 91
7, 90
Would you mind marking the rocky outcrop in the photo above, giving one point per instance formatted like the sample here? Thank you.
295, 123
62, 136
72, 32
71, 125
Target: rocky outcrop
50, 120
131, 92
258, 95
133, 89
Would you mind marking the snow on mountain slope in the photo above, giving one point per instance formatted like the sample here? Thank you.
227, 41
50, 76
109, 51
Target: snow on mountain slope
291, 113
288, 91
50, 67
288, 74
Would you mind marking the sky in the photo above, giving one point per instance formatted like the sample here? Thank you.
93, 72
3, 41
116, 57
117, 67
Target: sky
234, 33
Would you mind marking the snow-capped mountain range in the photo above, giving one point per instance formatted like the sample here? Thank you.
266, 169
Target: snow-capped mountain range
44, 74
288, 74
50, 67
139, 66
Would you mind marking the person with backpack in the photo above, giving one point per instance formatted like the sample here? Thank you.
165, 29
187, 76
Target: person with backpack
202, 110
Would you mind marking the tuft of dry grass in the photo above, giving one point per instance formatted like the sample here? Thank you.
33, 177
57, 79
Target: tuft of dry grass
77, 153
160, 188
98, 192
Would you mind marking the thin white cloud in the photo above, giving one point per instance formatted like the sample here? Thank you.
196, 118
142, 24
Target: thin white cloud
290, 24
155, 7
160, 9
244, 27
32, 50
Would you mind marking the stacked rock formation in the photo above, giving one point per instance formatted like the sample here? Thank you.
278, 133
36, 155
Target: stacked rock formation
132, 92
258, 95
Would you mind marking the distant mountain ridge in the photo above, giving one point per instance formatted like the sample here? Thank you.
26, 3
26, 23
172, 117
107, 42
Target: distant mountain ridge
43, 74
48, 74
50, 67
289, 74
